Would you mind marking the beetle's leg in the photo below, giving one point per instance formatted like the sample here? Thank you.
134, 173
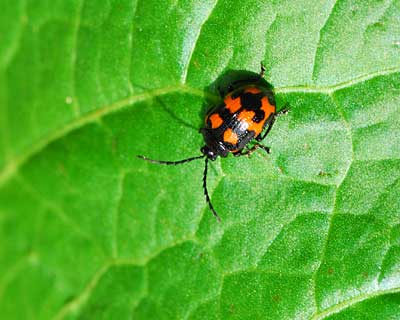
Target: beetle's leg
262, 72
283, 111
271, 122
251, 150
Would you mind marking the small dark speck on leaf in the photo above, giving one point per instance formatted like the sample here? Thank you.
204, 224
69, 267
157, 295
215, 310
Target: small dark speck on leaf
114, 144
68, 299
200, 256
324, 174
61, 169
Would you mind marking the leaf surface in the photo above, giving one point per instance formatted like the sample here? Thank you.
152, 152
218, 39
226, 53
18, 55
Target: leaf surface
88, 231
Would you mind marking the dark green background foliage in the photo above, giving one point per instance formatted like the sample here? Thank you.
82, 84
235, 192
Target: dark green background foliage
88, 231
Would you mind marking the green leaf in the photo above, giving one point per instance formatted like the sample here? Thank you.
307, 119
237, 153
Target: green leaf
89, 231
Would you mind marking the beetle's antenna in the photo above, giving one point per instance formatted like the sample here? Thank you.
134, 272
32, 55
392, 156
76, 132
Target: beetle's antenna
171, 163
208, 200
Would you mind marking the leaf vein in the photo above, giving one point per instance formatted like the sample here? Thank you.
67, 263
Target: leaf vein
186, 67
119, 196
317, 49
354, 300
77, 26
331, 216
329, 89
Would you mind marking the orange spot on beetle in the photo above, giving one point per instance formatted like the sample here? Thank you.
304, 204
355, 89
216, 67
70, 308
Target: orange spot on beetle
230, 136
232, 105
215, 120
247, 116
267, 107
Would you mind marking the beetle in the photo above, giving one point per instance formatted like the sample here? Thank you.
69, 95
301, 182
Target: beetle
246, 113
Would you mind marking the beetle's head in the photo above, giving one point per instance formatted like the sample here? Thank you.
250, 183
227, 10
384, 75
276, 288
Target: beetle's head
210, 154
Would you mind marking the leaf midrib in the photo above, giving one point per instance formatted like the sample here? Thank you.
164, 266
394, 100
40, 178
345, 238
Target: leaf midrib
12, 165
352, 301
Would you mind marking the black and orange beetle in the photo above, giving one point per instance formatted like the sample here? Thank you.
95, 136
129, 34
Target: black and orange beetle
247, 112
